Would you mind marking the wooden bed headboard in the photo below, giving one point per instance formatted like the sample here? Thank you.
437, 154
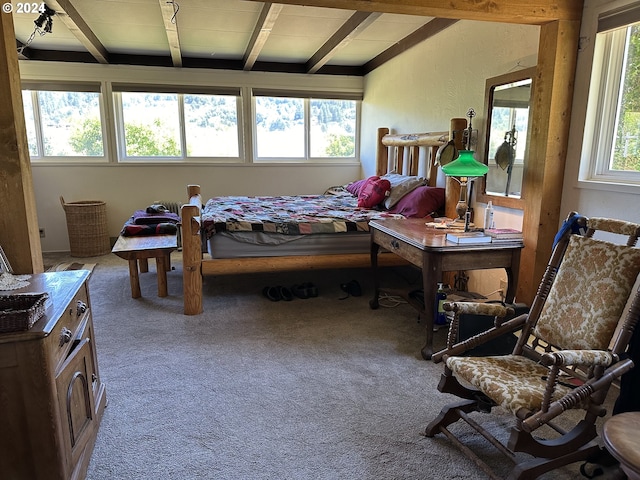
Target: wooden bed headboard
404, 153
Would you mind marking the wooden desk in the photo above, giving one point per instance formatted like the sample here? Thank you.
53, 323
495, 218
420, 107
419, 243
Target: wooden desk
140, 249
621, 435
428, 249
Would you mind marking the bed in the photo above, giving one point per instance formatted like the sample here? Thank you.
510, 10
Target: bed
235, 235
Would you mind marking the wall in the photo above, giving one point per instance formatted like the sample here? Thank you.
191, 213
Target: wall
418, 91
127, 187
422, 89
593, 200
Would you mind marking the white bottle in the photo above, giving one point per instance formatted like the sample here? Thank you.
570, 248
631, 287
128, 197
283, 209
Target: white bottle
488, 216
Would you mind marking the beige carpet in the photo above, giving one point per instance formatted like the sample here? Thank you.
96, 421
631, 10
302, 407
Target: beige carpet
63, 267
322, 389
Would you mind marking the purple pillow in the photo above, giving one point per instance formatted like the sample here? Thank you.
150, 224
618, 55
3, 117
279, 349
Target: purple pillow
356, 187
421, 202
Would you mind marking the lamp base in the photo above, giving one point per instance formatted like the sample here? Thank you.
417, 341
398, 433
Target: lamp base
461, 210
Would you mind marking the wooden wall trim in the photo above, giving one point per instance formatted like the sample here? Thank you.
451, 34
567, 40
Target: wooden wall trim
544, 171
19, 236
506, 11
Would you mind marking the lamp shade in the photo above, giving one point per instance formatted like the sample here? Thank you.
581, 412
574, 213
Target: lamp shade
465, 166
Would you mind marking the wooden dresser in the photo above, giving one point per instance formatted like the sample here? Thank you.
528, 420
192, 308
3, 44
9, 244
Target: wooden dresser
51, 396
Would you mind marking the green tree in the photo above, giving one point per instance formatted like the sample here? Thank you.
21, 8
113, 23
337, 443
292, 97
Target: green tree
142, 141
86, 139
341, 146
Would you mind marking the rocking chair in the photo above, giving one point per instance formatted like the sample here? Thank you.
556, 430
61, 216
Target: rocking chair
571, 347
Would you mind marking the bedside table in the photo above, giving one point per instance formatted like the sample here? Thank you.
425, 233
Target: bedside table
428, 249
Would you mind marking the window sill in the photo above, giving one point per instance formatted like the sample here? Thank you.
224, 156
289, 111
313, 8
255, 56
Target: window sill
609, 186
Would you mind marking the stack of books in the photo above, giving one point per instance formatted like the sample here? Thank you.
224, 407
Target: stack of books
468, 237
504, 234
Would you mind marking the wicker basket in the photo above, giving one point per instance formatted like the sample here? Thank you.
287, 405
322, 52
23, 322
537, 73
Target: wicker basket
19, 312
87, 227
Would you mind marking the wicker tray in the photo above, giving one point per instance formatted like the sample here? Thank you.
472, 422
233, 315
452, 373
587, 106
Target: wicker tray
20, 312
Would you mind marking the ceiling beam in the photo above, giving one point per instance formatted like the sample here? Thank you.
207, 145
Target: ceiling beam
169, 9
268, 17
527, 12
187, 62
68, 15
426, 31
350, 30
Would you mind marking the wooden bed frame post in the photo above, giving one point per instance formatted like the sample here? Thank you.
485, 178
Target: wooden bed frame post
191, 258
382, 153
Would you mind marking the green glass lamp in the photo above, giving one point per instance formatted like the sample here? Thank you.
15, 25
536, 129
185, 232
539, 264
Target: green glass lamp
464, 169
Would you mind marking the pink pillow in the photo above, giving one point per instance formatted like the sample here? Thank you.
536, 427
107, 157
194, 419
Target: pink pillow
356, 187
421, 202
374, 191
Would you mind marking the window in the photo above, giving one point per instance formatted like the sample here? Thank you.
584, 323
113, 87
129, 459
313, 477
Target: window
298, 128
63, 123
107, 121
611, 150
280, 127
333, 128
151, 125
211, 125
177, 126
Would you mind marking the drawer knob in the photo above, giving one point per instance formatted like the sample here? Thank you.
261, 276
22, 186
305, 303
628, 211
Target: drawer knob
65, 336
82, 307
395, 244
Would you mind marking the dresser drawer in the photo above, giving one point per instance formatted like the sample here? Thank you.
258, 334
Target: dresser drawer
62, 336
392, 244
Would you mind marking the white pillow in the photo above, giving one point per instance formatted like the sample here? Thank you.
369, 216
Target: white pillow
400, 186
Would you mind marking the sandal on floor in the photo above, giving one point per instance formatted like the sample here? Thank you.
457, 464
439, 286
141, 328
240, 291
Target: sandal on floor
272, 293
351, 288
285, 293
305, 290
311, 289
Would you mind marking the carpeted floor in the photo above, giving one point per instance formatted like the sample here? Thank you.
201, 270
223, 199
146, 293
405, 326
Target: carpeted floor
65, 266
321, 388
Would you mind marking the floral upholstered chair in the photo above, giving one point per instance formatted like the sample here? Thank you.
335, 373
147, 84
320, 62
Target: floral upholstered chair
570, 349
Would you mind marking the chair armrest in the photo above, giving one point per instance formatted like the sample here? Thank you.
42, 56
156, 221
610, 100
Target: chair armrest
567, 358
477, 308
509, 326
577, 395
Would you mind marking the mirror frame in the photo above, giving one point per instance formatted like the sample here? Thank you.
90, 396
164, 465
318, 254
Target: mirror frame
491, 83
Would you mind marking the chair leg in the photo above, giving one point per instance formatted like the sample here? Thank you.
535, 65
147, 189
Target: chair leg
535, 467
449, 384
581, 434
448, 415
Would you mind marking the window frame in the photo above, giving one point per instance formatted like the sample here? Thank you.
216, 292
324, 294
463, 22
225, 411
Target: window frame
110, 79
306, 96
34, 88
123, 158
603, 106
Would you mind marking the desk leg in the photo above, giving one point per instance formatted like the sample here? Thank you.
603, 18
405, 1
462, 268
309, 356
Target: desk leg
161, 270
374, 303
431, 275
512, 277
134, 278
144, 265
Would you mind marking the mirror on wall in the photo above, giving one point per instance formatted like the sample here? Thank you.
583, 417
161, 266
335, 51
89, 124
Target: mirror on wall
507, 110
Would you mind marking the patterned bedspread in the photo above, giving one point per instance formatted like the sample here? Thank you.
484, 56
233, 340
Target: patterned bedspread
289, 215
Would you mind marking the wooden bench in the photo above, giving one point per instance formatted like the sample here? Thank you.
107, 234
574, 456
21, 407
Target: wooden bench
139, 250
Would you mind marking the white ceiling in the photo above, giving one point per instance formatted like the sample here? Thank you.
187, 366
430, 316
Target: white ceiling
221, 34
